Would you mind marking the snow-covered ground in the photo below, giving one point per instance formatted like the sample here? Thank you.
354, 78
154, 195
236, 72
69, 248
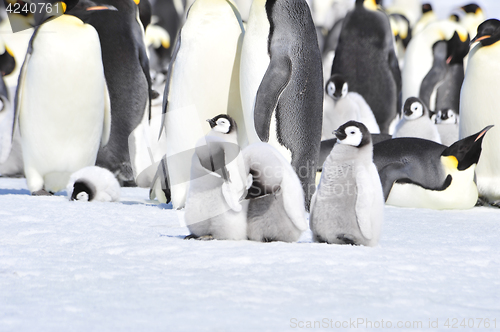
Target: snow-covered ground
77, 266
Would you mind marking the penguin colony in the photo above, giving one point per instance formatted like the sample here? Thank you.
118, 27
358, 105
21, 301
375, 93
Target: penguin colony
403, 101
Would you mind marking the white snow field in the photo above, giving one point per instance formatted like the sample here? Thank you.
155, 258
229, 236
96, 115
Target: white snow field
80, 266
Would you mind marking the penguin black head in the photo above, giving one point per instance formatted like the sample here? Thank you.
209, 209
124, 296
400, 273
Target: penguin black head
426, 7
466, 152
7, 62
471, 8
488, 32
336, 87
414, 108
83, 191
457, 49
353, 133
84, 8
446, 116
223, 123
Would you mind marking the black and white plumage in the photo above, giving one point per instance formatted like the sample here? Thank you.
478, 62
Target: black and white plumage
416, 122
93, 183
214, 205
276, 210
348, 207
447, 123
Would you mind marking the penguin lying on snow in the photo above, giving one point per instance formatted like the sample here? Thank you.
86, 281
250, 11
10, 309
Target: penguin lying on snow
218, 184
348, 206
348, 106
416, 122
276, 210
93, 184
423, 174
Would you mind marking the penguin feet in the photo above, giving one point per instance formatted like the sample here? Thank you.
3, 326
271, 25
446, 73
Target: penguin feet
199, 238
42, 192
495, 204
484, 202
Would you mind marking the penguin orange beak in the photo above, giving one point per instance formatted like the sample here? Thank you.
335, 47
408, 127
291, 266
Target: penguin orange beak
477, 39
101, 8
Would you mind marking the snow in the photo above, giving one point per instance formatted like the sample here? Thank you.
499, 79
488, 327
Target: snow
79, 266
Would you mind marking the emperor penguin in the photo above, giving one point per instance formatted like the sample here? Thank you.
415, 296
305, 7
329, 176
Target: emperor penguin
365, 56
93, 183
447, 123
289, 101
416, 122
411, 9
276, 210
470, 17
62, 101
121, 35
7, 65
215, 206
419, 173
348, 106
479, 105
348, 207
202, 82
419, 56
428, 17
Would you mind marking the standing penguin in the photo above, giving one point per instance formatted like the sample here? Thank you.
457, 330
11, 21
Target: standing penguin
218, 183
289, 102
276, 209
348, 106
365, 57
416, 122
419, 173
203, 81
348, 207
122, 37
479, 105
62, 102
447, 125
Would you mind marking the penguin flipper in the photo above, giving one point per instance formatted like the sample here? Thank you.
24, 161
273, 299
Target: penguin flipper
169, 81
390, 174
396, 73
106, 130
430, 83
273, 83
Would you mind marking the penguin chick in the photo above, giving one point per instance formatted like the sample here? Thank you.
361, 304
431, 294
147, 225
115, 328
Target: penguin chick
276, 210
416, 122
93, 183
447, 126
217, 185
348, 206
348, 106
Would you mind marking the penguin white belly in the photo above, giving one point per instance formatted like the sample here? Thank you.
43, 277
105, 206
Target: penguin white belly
62, 103
461, 194
418, 61
448, 133
200, 84
479, 108
254, 62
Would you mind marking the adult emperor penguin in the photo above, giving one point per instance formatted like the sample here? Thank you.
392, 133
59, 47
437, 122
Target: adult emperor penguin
93, 183
348, 106
416, 122
62, 102
276, 210
419, 56
365, 57
479, 105
348, 207
289, 101
420, 173
205, 61
214, 206
122, 37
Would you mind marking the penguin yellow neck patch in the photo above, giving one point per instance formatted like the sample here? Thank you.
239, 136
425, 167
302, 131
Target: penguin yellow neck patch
137, 1
450, 162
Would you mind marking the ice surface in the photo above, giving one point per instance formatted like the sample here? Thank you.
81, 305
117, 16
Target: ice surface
79, 266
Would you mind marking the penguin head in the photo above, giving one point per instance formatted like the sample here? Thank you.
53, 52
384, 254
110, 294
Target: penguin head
83, 191
413, 109
466, 152
446, 116
336, 87
223, 123
488, 32
426, 8
471, 8
353, 133
456, 49
84, 8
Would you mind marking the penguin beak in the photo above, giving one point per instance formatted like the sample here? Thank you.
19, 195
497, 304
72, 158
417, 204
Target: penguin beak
408, 112
467, 150
340, 135
477, 39
212, 123
101, 7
